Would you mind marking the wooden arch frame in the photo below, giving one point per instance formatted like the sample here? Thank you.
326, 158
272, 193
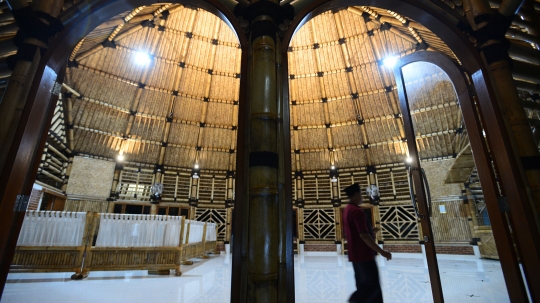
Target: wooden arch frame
488, 109
22, 161
500, 225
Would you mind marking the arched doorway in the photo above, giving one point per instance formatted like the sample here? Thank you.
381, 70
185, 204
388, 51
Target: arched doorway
326, 163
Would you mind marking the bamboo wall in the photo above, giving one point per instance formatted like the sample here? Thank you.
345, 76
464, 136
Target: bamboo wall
318, 217
87, 205
90, 178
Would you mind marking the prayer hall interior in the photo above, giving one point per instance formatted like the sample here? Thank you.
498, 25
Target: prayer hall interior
197, 151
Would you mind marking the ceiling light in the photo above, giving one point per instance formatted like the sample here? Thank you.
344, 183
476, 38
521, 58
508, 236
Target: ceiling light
196, 166
332, 167
142, 58
390, 61
408, 160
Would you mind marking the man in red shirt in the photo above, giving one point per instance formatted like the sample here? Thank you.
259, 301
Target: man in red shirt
361, 250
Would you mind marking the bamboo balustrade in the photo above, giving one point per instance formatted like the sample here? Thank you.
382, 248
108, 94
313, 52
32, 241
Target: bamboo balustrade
42, 247
35, 254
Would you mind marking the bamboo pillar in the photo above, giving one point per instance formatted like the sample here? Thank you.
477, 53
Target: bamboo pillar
336, 202
283, 149
69, 165
263, 273
263, 206
193, 194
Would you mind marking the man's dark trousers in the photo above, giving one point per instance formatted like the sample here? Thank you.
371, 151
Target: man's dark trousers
368, 288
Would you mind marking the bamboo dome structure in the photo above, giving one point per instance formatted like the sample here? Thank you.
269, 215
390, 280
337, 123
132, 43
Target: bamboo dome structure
345, 108
177, 108
181, 108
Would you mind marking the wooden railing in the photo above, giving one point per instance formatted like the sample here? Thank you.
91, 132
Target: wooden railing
84, 242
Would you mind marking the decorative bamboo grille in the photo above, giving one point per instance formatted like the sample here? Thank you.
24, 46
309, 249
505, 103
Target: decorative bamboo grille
319, 224
218, 216
176, 186
135, 184
398, 222
212, 188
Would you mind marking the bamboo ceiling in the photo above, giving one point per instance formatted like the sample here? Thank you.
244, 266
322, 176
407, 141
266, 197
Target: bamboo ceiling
192, 82
182, 108
345, 108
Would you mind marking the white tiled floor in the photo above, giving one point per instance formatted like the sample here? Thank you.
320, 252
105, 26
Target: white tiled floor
318, 279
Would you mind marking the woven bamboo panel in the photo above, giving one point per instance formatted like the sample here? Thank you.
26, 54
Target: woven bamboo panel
45, 259
87, 205
487, 246
452, 224
132, 259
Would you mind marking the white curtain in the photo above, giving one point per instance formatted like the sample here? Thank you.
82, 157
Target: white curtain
196, 231
128, 230
52, 228
210, 231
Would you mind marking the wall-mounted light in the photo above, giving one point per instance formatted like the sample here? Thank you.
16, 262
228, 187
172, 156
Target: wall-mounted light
195, 172
333, 174
390, 61
408, 160
120, 156
142, 58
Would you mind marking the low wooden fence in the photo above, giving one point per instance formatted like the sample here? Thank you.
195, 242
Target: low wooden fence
52, 241
64, 241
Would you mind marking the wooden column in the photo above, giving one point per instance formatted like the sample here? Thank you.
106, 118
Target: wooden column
113, 196
25, 121
264, 239
512, 135
28, 57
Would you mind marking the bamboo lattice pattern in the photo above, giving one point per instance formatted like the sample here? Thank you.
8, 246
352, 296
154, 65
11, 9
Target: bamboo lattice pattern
319, 224
398, 222
62, 259
218, 216
452, 224
133, 258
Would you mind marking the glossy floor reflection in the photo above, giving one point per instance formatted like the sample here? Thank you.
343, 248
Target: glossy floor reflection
318, 279
404, 279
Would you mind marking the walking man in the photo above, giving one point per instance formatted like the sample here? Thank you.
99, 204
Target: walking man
361, 250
